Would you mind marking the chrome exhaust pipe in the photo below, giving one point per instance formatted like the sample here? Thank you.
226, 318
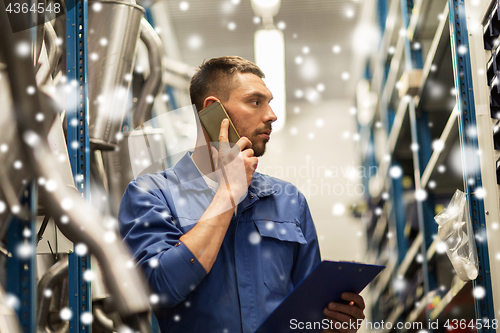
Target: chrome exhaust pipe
53, 55
118, 167
40, 31
100, 298
112, 40
53, 276
153, 84
15, 173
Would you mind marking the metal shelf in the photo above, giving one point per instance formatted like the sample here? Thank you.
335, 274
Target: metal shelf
418, 312
410, 255
381, 226
391, 144
448, 298
393, 73
384, 278
381, 56
431, 251
429, 60
393, 317
422, 161
450, 124
415, 17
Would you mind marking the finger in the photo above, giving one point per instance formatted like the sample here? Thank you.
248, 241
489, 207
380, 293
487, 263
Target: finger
215, 157
254, 164
224, 129
357, 299
233, 153
223, 134
337, 315
349, 310
244, 143
248, 152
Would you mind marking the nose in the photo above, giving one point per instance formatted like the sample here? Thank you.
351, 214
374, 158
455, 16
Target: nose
270, 116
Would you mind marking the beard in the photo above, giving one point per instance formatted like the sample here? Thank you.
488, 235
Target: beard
259, 146
258, 142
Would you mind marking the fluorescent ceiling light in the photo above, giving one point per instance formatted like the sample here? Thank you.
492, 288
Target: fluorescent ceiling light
270, 57
266, 8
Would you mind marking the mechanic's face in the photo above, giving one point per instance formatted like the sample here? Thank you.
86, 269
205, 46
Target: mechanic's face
249, 109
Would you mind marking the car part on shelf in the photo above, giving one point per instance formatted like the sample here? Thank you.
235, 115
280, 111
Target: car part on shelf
53, 55
118, 164
50, 279
114, 31
14, 169
153, 83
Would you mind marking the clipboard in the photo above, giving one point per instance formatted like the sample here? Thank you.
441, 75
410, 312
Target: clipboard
326, 282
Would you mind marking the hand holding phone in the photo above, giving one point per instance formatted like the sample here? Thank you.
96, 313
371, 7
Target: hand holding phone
211, 118
235, 165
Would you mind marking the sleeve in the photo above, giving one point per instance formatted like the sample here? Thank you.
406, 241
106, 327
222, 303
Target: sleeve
308, 255
147, 227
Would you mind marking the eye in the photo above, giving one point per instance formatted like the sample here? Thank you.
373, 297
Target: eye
256, 102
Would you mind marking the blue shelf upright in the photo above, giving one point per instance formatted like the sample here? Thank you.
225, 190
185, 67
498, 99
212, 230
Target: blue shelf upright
21, 262
421, 141
78, 148
469, 145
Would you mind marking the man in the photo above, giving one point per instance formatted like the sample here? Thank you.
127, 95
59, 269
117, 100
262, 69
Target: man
221, 244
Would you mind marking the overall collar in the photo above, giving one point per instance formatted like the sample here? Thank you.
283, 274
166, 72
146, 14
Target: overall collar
189, 176
191, 179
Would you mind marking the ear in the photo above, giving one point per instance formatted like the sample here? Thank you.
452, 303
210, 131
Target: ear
209, 100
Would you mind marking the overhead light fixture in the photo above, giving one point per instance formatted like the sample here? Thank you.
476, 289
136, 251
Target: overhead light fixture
270, 57
269, 47
266, 8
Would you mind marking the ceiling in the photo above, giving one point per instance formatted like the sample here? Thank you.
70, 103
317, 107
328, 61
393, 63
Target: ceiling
202, 32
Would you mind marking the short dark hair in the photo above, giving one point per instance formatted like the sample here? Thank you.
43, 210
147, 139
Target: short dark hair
216, 77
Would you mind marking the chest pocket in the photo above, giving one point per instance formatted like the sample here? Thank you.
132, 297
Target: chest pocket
279, 243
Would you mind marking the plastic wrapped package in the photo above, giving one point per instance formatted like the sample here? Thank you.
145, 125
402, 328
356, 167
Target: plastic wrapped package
455, 230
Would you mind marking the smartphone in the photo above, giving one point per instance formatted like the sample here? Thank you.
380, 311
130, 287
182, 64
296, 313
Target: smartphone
211, 118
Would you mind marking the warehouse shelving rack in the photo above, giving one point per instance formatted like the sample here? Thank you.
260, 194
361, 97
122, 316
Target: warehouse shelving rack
80, 297
419, 125
21, 272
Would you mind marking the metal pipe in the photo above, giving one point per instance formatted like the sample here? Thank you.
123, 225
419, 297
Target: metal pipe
53, 276
100, 319
178, 68
77, 219
53, 53
153, 84
40, 32
11, 179
8, 318
118, 24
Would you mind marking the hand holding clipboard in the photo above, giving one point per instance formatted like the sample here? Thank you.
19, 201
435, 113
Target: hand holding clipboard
325, 284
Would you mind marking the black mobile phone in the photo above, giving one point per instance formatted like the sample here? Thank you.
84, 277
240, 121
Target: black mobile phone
211, 118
